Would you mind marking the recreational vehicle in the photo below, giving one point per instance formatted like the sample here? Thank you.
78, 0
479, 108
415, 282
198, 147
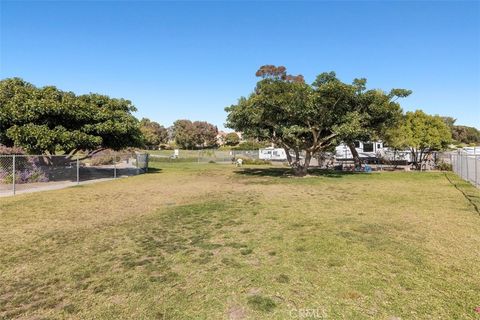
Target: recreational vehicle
272, 154
372, 151
365, 150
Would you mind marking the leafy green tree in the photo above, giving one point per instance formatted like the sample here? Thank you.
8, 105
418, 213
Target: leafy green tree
184, 134
154, 134
465, 134
205, 134
232, 139
284, 112
449, 121
50, 121
462, 134
421, 133
370, 114
309, 119
198, 134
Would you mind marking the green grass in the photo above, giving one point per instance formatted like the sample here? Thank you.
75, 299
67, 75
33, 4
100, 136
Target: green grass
208, 241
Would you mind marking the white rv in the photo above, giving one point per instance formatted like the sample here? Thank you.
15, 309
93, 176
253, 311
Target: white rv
364, 149
372, 150
272, 154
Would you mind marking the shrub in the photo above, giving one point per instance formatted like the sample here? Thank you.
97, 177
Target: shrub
251, 145
255, 161
105, 157
443, 166
27, 170
168, 159
10, 150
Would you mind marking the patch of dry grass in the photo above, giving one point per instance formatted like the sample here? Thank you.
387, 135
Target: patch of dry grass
212, 242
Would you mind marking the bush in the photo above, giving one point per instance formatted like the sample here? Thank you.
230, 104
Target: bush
255, 161
251, 145
102, 158
443, 166
10, 150
27, 170
170, 160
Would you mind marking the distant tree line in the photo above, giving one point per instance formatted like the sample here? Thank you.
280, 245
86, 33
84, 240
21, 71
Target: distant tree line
462, 134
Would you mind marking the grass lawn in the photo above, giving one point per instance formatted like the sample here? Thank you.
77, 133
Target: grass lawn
211, 241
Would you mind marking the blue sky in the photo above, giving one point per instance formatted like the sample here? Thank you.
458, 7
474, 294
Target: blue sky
191, 59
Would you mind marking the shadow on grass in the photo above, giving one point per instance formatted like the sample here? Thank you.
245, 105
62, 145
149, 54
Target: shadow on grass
153, 170
287, 172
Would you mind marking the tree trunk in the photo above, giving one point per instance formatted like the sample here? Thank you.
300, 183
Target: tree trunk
356, 157
299, 169
415, 159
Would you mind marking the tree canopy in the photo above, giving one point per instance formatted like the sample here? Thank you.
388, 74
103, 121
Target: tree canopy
421, 133
153, 133
48, 121
197, 134
370, 113
307, 119
462, 134
232, 139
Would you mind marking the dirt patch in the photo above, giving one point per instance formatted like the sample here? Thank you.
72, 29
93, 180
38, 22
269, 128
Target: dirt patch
236, 313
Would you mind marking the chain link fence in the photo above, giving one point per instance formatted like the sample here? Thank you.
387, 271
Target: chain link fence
25, 173
466, 164
202, 156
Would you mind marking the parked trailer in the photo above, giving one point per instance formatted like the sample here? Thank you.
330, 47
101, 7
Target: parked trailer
368, 152
272, 154
372, 151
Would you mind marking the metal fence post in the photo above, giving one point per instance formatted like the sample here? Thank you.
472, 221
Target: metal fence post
78, 171
114, 165
13, 174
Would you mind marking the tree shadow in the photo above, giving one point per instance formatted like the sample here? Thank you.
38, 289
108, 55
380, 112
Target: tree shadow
288, 173
153, 170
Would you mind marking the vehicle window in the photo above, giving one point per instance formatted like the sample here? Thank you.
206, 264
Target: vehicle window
368, 147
